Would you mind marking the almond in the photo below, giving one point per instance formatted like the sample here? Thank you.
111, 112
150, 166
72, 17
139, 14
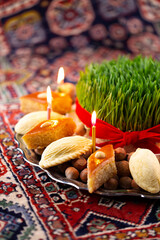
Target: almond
100, 155
42, 95
45, 124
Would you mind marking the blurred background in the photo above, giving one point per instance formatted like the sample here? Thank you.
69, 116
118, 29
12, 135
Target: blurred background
37, 37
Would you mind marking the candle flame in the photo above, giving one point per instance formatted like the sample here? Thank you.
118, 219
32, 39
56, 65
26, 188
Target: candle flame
49, 96
60, 78
93, 120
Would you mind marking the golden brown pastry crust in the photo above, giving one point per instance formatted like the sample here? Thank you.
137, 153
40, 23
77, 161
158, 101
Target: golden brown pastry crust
61, 102
101, 169
64, 150
30, 120
43, 134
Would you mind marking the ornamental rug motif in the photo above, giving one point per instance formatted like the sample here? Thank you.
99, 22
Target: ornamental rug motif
36, 38
62, 26
11, 84
150, 10
112, 9
70, 17
24, 29
40, 205
10, 7
29, 72
4, 46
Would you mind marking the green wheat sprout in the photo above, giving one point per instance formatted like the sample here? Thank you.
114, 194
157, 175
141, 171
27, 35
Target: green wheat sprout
125, 93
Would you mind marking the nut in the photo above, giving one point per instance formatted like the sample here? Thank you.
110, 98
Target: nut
62, 167
71, 173
111, 184
120, 154
79, 163
39, 151
62, 94
45, 124
100, 155
123, 168
80, 130
87, 154
134, 185
125, 182
84, 175
129, 155
69, 89
42, 95
54, 122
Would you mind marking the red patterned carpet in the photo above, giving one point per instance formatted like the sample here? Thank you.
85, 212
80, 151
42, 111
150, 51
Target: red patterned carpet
34, 206
36, 38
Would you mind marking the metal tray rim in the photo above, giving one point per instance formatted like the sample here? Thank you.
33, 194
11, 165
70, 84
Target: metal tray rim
31, 159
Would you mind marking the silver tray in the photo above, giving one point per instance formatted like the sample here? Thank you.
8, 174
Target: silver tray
32, 158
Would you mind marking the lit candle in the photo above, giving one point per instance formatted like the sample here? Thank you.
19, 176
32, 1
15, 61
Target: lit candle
60, 78
49, 101
93, 120
65, 87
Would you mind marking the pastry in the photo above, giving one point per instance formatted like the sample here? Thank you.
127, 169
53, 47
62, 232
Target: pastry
29, 120
64, 150
68, 88
61, 102
145, 170
48, 131
101, 167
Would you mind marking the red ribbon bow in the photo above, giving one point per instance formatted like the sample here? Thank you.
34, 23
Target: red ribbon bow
144, 139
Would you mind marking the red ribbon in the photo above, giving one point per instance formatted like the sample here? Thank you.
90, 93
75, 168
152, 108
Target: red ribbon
144, 139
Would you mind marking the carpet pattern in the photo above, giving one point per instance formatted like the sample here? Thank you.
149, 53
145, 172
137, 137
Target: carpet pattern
36, 38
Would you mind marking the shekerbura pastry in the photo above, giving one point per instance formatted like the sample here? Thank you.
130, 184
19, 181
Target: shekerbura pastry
145, 169
64, 150
29, 120
48, 131
101, 167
